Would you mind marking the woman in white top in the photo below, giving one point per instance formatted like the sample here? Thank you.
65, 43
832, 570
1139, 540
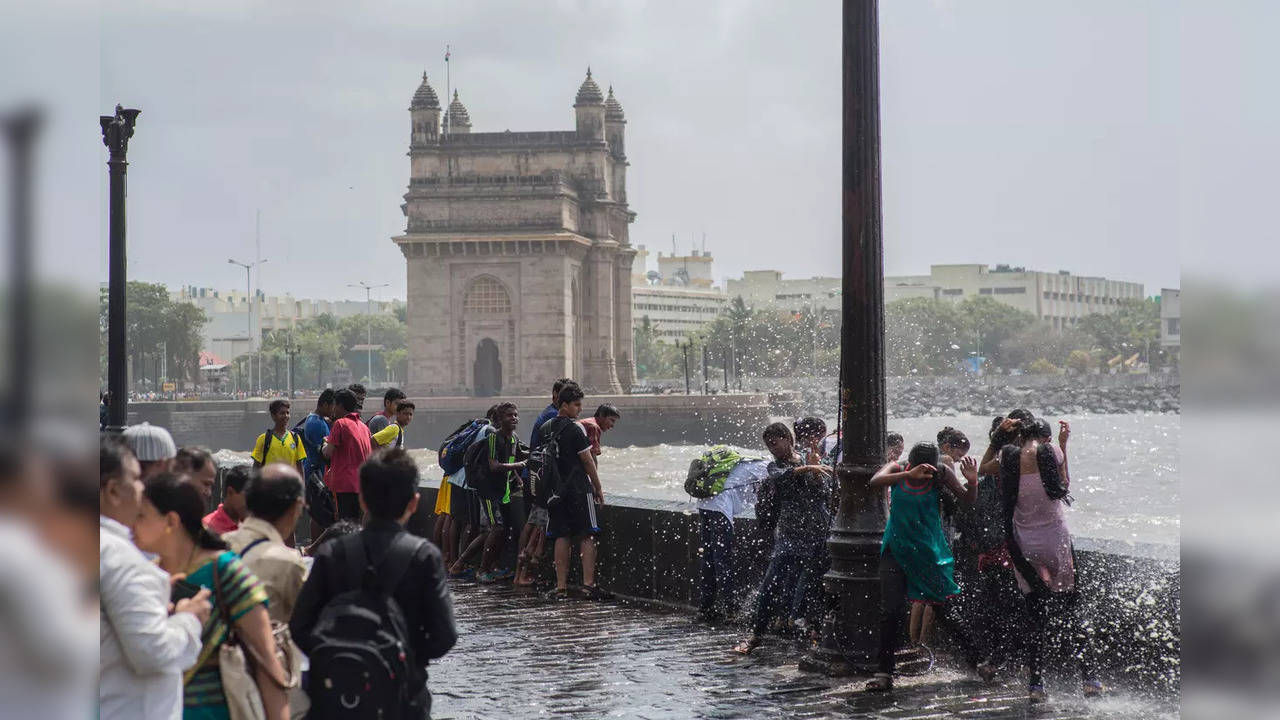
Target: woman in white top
144, 648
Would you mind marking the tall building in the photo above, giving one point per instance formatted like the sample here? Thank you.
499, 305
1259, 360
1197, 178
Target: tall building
679, 299
1058, 298
518, 253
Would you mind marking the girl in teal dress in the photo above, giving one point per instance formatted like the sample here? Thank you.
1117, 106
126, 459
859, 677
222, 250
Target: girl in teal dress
915, 559
169, 526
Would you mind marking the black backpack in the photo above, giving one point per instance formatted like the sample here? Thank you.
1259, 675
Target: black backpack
544, 471
362, 663
271, 435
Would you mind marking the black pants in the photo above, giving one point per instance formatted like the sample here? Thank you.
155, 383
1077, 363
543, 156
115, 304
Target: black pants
994, 608
893, 607
1063, 608
348, 505
717, 563
777, 595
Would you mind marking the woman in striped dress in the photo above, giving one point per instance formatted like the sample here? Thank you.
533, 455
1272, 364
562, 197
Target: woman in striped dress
169, 526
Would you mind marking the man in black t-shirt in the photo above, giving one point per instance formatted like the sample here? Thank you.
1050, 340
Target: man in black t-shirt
574, 516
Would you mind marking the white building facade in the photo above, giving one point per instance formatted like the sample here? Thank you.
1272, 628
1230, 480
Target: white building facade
768, 290
235, 325
1058, 298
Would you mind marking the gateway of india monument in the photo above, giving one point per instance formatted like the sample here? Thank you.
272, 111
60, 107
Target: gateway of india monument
519, 261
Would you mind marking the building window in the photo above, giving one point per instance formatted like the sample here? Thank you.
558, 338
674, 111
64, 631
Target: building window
1011, 291
486, 296
984, 291
953, 291
1175, 326
1046, 294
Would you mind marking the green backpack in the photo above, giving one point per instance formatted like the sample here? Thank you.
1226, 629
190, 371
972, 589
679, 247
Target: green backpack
707, 473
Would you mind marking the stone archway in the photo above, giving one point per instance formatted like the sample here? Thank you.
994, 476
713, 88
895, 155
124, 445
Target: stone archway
487, 369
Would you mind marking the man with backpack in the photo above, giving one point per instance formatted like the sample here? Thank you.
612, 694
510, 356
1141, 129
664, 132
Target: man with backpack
725, 484
492, 467
314, 429
279, 443
362, 667
569, 483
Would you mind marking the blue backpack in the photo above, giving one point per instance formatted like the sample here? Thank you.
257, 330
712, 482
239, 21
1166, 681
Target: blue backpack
453, 450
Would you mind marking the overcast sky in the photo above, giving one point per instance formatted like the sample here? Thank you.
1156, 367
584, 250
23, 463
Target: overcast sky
1089, 136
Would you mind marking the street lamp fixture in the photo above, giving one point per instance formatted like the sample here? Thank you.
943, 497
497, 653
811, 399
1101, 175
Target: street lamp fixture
248, 312
116, 131
368, 311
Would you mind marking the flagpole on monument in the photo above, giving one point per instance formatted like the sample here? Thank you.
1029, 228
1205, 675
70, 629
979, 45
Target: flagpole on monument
448, 92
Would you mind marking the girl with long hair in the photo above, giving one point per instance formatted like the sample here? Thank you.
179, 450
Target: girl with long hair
169, 526
1034, 486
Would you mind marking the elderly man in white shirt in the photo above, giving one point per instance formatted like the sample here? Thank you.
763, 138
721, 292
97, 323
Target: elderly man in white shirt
144, 648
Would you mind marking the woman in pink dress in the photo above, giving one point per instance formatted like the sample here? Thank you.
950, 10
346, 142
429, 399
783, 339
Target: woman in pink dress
1034, 486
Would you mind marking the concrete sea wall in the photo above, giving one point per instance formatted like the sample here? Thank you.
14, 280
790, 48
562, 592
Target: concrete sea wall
646, 419
1130, 592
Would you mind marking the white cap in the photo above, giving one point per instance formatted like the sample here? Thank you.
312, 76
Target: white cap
150, 442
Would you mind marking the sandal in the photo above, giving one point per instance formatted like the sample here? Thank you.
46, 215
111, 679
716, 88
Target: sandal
747, 646
557, 594
1037, 695
880, 682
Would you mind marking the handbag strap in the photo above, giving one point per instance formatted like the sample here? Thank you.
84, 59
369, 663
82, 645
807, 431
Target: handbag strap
231, 636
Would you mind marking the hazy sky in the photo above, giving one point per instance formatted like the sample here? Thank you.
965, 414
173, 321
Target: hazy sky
1097, 137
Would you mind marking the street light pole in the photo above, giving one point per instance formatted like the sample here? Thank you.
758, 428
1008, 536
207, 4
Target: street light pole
248, 310
368, 311
116, 131
849, 633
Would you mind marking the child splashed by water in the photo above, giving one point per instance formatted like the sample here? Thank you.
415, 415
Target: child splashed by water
915, 560
953, 446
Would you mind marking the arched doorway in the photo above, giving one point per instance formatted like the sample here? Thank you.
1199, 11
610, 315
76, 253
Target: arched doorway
488, 369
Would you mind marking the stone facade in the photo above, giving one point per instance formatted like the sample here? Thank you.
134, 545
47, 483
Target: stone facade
518, 252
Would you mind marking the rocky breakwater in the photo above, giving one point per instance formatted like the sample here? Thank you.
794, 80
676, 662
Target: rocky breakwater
993, 395
920, 399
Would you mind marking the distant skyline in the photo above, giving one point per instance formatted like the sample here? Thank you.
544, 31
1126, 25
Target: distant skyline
1054, 136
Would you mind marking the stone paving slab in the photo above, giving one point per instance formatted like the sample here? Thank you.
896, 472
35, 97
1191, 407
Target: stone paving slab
521, 656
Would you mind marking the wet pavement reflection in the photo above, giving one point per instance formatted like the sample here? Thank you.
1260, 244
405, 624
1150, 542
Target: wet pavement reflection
520, 656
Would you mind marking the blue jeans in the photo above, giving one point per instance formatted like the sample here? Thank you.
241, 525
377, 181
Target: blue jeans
717, 563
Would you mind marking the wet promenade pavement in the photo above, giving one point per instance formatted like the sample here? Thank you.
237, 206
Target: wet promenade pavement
520, 656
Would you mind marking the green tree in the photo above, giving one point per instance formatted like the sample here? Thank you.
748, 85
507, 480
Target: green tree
921, 337
384, 330
156, 326
655, 359
988, 323
1133, 327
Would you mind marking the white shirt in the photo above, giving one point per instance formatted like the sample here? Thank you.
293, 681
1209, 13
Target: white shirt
46, 631
144, 649
740, 488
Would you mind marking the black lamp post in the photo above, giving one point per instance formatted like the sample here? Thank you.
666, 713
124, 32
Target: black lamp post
849, 635
20, 131
116, 131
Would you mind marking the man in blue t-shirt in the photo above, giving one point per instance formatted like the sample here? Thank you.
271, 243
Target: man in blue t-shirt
315, 428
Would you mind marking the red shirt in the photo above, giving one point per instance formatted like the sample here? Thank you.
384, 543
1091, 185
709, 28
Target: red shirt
220, 522
351, 445
593, 433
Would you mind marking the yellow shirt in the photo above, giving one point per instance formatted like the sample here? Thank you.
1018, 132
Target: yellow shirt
287, 450
392, 435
